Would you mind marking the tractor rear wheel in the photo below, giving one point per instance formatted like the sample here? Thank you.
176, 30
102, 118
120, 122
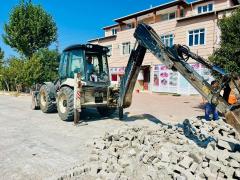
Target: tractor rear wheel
47, 104
65, 104
106, 111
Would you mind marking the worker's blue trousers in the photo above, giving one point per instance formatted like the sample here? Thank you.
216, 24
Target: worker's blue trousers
211, 109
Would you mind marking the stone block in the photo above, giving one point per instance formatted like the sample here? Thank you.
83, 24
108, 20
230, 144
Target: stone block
226, 144
186, 162
214, 166
165, 157
233, 163
132, 152
228, 171
223, 155
162, 165
181, 178
174, 158
181, 149
124, 163
235, 156
193, 167
237, 173
204, 164
178, 169
156, 160
187, 174
94, 158
196, 156
152, 173
208, 174
145, 159
211, 155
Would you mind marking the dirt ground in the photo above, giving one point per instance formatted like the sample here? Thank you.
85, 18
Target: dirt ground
34, 145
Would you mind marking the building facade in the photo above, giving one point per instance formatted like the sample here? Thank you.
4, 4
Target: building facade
177, 22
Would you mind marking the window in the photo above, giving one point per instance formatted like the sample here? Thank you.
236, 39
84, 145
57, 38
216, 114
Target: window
76, 64
114, 77
182, 13
205, 8
114, 31
167, 40
172, 15
128, 26
168, 16
96, 67
164, 17
196, 37
63, 65
110, 50
126, 48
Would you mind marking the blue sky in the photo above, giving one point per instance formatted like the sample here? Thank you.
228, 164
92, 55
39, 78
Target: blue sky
78, 20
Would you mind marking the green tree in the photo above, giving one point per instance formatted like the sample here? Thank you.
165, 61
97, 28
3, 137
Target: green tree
11, 73
21, 73
1, 56
228, 55
49, 60
32, 71
29, 29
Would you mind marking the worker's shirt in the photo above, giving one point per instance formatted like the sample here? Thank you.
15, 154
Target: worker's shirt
89, 71
89, 68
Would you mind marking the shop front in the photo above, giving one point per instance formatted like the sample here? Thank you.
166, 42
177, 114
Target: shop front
143, 80
165, 80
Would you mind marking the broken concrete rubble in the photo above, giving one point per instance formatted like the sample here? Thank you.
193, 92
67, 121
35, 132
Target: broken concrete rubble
196, 149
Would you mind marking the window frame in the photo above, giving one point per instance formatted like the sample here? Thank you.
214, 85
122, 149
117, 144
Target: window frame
122, 49
114, 31
199, 38
202, 6
167, 36
168, 16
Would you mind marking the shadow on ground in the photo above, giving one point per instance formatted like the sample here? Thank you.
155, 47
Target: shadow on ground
202, 140
189, 131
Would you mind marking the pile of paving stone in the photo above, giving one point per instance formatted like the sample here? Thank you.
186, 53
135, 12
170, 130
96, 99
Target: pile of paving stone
195, 149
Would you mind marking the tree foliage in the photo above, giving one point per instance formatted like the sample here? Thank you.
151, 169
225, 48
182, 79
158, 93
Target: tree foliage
29, 29
1, 55
21, 73
228, 55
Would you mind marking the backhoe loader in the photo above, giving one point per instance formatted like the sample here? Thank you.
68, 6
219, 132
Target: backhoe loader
83, 82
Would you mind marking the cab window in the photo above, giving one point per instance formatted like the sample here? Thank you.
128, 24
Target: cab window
63, 65
76, 64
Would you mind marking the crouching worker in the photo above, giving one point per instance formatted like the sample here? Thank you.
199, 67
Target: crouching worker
210, 109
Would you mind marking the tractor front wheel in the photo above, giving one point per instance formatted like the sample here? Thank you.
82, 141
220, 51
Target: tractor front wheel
65, 104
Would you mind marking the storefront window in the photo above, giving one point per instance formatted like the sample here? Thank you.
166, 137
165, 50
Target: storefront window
114, 77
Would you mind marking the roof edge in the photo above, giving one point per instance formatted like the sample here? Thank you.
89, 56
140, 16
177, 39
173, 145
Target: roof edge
162, 6
101, 38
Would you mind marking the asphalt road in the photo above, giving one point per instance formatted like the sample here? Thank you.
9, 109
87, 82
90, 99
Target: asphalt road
34, 145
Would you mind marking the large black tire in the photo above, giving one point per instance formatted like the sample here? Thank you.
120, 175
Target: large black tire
106, 111
65, 104
34, 105
47, 104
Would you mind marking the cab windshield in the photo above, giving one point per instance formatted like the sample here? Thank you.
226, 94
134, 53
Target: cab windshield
96, 67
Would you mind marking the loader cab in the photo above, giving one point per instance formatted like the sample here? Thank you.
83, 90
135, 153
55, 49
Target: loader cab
88, 60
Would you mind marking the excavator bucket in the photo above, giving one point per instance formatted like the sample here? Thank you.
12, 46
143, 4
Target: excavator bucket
233, 118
